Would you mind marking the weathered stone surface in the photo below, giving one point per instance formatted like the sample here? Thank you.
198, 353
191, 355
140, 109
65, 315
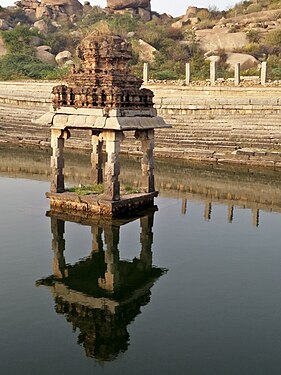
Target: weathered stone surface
50, 8
216, 39
103, 79
192, 11
62, 57
43, 53
123, 4
246, 61
42, 26
147, 52
3, 25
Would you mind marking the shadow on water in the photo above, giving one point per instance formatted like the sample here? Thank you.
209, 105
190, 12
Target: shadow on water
101, 295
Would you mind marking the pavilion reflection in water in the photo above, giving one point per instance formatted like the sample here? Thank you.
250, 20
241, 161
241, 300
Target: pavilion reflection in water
101, 294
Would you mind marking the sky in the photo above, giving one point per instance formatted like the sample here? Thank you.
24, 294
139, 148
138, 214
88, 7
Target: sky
175, 8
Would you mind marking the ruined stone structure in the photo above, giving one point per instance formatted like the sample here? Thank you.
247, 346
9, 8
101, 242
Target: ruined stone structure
102, 96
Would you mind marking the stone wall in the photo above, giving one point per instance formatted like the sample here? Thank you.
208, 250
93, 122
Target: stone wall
214, 124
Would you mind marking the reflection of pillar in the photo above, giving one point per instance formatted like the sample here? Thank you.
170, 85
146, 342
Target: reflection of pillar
146, 240
97, 244
58, 246
111, 258
230, 214
184, 206
147, 162
57, 160
256, 217
112, 166
208, 211
96, 158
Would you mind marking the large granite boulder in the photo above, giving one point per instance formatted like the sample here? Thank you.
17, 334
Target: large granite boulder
217, 39
63, 57
44, 54
42, 26
123, 4
68, 6
246, 61
146, 52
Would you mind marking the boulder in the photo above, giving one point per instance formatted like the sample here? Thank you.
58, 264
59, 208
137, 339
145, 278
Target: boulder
3, 24
62, 57
192, 11
42, 26
123, 4
246, 61
216, 39
44, 54
3, 49
146, 52
144, 14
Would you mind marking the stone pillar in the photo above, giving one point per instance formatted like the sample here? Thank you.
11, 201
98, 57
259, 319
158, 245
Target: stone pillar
57, 160
237, 74
145, 73
263, 72
113, 140
187, 74
146, 240
147, 162
58, 246
213, 72
111, 280
96, 158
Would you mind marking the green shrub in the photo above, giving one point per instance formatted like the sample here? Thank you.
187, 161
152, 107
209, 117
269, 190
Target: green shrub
18, 40
17, 66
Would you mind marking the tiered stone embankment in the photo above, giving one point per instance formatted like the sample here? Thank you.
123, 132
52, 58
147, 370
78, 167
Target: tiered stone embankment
215, 124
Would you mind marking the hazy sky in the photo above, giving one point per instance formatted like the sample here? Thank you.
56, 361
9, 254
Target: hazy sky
174, 8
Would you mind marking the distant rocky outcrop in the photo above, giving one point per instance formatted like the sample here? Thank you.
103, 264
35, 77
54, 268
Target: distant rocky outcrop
50, 8
134, 7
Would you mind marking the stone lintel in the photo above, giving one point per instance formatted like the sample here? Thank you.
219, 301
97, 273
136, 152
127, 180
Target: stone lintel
62, 121
92, 205
99, 112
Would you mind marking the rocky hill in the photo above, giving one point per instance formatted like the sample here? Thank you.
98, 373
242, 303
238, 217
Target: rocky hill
48, 32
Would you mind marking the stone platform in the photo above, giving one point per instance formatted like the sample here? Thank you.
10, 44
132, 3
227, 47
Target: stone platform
88, 206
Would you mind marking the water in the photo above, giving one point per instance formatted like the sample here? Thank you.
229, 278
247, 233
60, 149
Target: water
209, 305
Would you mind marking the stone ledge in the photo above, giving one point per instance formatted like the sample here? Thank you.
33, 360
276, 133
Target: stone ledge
92, 205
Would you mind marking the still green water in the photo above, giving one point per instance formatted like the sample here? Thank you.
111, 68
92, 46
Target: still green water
193, 288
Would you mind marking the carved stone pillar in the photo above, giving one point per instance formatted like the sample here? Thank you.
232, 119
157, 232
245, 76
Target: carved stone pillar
57, 160
111, 280
58, 246
147, 162
112, 166
96, 158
